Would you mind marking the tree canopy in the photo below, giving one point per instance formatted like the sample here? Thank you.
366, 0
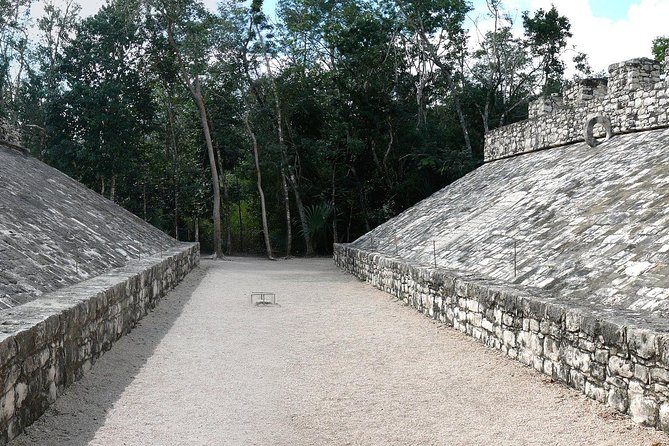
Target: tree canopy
275, 136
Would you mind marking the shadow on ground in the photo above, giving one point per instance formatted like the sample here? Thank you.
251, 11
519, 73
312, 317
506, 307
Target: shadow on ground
82, 408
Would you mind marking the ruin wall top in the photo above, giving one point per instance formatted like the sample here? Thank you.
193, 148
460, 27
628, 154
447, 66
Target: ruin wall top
634, 97
9, 136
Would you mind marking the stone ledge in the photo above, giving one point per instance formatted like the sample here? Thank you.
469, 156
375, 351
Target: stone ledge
48, 343
633, 99
619, 358
13, 146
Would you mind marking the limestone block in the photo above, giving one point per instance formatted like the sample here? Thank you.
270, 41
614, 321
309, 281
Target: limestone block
643, 410
602, 356
641, 342
551, 349
663, 416
577, 380
641, 373
621, 367
659, 374
573, 320
618, 399
595, 392
509, 338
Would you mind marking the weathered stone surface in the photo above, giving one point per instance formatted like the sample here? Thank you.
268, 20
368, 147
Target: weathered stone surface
54, 232
592, 355
59, 335
664, 417
8, 133
76, 273
589, 224
641, 342
632, 99
621, 367
589, 126
643, 410
559, 258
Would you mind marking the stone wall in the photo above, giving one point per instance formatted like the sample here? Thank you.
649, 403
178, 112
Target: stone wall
634, 98
48, 343
610, 359
55, 232
8, 133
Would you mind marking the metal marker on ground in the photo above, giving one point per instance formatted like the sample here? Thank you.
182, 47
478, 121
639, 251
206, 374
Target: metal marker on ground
262, 295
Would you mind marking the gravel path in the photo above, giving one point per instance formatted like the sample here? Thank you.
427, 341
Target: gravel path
337, 363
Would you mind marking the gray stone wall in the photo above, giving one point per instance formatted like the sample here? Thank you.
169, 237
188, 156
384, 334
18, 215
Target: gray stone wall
634, 98
8, 133
609, 359
55, 232
48, 343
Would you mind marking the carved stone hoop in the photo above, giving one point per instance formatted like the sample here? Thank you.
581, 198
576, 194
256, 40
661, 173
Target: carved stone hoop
590, 123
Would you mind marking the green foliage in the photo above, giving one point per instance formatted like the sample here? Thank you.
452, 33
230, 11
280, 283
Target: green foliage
319, 225
659, 48
547, 32
375, 98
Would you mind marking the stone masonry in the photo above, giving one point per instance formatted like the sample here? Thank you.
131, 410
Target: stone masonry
633, 98
559, 258
618, 362
588, 224
77, 272
8, 133
54, 232
48, 343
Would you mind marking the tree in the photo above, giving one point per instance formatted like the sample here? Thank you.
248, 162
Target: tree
107, 104
659, 48
503, 70
547, 33
14, 51
186, 24
438, 25
41, 93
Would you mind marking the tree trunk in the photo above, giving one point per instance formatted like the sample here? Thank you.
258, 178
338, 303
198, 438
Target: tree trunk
112, 188
461, 115
363, 200
144, 199
446, 70
263, 210
193, 84
226, 207
218, 252
285, 167
223, 183
286, 202
196, 225
334, 206
303, 219
175, 168
239, 214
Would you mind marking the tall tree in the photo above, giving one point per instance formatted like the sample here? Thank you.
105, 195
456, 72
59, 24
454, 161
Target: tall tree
108, 106
439, 27
503, 70
186, 24
547, 33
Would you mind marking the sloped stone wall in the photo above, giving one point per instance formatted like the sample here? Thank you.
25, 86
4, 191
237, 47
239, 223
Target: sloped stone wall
55, 232
48, 343
633, 98
607, 356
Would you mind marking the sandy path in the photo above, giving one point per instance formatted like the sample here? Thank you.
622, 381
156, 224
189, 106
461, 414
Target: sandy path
338, 363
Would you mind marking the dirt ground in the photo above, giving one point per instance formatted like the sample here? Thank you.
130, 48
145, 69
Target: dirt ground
337, 362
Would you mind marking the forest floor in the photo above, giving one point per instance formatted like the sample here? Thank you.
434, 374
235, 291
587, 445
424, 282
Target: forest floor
336, 362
